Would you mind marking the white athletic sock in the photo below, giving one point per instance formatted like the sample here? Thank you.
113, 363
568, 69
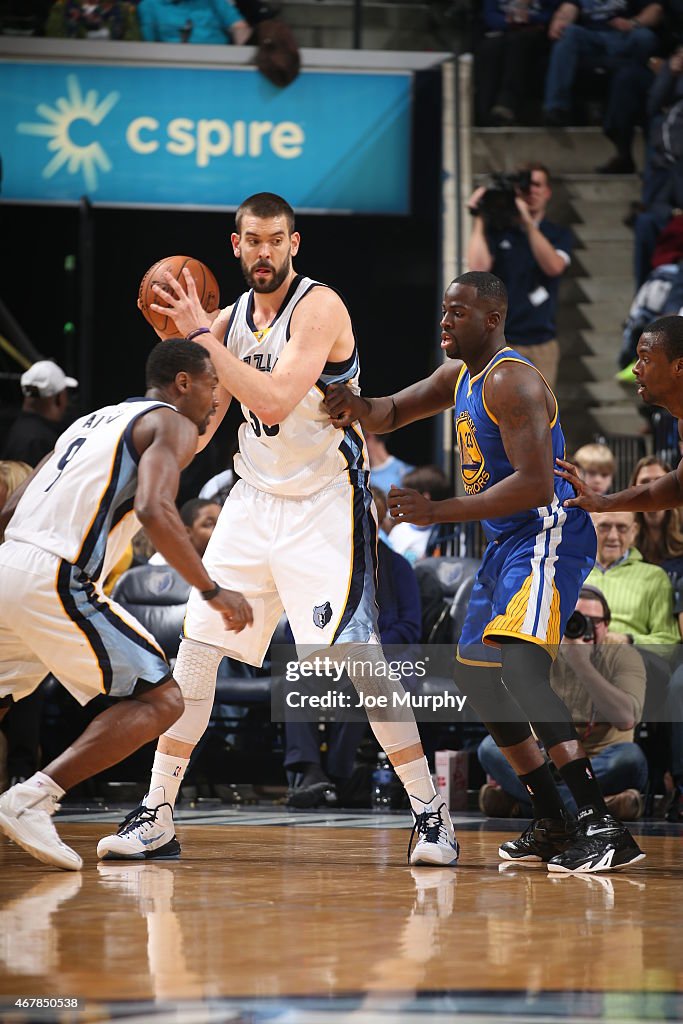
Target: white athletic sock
42, 781
416, 779
167, 774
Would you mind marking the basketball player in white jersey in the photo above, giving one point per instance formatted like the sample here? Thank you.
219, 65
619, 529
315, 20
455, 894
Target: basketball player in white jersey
298, 530
68, 525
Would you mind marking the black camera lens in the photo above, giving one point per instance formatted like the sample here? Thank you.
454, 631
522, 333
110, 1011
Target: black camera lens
578, 625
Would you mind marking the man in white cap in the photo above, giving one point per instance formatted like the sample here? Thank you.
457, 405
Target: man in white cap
37, 427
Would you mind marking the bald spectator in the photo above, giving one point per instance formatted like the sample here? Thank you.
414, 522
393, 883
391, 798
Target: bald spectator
37, 427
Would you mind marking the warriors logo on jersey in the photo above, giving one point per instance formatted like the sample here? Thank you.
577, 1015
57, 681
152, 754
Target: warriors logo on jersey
472, 465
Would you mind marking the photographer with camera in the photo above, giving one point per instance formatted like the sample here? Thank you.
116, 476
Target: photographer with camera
512, 239
603, 685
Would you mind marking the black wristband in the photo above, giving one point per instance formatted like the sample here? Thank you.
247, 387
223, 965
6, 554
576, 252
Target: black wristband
208, 595
629, 638
194, 334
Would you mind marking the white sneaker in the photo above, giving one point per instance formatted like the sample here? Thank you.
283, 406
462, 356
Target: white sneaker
147, 833
436, 842
26, 819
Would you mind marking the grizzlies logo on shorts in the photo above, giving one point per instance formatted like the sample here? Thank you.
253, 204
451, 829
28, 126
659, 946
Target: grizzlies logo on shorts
322, 614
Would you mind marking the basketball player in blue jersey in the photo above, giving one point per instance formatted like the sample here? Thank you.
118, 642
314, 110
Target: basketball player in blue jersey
539, 553
68, 525
298, 531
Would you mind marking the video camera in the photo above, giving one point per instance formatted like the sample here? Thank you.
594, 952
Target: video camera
497, 206
579, 625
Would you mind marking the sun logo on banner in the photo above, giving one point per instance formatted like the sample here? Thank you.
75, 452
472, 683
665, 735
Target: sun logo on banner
57, 125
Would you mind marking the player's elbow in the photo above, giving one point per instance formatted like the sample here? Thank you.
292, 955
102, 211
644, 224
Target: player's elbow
544, 492
271, 412
150, 512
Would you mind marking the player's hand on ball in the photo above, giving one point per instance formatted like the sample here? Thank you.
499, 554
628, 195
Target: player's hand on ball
234, 609
343, 405
410, 506
181, 303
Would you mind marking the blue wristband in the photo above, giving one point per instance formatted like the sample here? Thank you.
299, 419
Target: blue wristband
194, 334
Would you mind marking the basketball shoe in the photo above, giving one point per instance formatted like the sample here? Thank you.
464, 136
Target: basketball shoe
26, 818
542, 839
147, 833
599, 844
436, 842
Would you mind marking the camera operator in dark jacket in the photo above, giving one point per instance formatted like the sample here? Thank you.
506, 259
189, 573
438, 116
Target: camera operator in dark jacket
603, 685
529, 254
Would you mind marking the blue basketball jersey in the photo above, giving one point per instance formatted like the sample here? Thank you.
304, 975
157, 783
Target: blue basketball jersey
483, 461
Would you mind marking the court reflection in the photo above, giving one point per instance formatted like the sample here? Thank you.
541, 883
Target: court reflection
271, 912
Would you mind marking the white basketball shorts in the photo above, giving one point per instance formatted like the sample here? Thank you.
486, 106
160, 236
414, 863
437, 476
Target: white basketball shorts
314, 558
51, 620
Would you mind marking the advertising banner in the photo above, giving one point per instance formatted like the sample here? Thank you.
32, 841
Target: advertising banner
204, 137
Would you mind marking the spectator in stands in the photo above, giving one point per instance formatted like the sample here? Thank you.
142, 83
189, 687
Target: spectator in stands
628, 95
35, 430
529, 257
639, 594
11, 475
85, 19
661, 294
604, 687
211, 22
199, 516
640, 597
610, 32
662, 196
596, 465
509, 61
626, 108
413, 541
400, 626
385, 469
660, 533
660, 541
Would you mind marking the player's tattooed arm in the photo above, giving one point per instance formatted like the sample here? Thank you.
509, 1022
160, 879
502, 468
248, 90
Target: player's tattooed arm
522, 406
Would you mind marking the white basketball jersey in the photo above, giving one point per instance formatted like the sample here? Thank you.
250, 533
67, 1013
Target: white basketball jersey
304, 453
79, 506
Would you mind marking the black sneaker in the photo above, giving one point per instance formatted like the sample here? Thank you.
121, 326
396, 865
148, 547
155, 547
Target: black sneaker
318, 794
542, 839
674, 812
600, 844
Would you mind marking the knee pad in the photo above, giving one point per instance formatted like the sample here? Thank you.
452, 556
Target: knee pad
195, 672
196, 668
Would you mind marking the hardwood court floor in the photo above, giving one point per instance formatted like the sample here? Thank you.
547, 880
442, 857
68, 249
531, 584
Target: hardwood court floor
323, 922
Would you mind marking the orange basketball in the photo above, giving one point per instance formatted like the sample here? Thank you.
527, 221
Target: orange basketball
207, 289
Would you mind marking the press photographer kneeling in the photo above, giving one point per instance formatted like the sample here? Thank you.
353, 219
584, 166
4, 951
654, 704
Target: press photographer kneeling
512, 238
603, 685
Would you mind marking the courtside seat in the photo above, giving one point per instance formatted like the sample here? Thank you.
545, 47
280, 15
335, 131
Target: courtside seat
157, 596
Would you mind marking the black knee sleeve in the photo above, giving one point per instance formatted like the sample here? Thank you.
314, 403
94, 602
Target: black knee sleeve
493, 703
526, 672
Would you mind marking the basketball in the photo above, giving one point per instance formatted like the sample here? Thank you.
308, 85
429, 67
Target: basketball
205, 282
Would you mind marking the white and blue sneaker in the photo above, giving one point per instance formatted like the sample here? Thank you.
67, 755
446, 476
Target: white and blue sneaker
147, 833
436, 843
26, 818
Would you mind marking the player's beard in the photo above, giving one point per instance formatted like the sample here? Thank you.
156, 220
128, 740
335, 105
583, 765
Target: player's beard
274, 282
